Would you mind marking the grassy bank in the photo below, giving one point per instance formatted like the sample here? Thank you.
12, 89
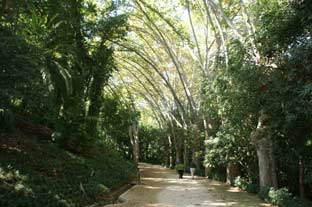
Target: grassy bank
36, 172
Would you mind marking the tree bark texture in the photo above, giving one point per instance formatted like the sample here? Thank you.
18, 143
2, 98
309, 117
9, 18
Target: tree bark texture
133, 134
186, 156
178, 147
232, 171
261, 137
198, 143
171, 160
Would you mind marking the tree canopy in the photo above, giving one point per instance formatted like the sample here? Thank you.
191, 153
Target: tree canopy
223, 83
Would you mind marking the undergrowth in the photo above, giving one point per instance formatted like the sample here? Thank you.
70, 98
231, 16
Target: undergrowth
40, 173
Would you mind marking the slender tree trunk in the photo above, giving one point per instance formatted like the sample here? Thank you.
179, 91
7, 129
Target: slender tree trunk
262, 139
232, 171
198, 143
206, 129
178, 149
301, 179
167, 153
133, 134
186, 156
171, 164
178, 153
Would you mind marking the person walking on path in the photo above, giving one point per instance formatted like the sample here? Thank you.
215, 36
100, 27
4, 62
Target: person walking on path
192, 169
180, 168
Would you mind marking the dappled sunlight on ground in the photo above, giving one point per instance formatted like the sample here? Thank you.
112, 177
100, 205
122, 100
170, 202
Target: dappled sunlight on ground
234, 190
178, 188
162, 188
151, 187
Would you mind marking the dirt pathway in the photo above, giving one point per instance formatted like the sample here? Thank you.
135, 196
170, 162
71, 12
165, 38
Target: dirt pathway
162, 188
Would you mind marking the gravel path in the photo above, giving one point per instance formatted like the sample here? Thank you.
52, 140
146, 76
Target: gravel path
161, 188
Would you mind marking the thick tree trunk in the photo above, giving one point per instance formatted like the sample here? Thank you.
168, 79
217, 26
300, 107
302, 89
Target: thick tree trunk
232, 171
262, 139
301, 179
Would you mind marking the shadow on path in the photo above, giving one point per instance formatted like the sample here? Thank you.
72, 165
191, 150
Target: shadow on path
161, 188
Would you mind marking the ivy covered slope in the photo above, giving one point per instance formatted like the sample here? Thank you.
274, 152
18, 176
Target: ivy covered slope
38, 172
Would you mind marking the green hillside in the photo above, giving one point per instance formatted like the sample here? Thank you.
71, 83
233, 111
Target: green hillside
37, 172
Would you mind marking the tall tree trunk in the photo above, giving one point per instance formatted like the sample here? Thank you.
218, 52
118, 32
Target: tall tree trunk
262, 139
171, 164
232, 171
198, 143
99, 78
301, 179
133, 134
206, 128
178, 153
186, 156
178, 149
167, 153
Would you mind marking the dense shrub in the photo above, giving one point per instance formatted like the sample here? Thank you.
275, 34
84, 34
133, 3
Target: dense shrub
6, 120
41, 174
200, 172
246, 185
264, 193
279, 197
218, 173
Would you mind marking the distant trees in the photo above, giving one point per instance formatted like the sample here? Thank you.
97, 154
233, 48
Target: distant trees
226, 74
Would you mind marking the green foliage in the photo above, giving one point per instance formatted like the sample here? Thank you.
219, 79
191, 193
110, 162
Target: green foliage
20, 78
279, 83
50, 176
6, 120
152, 144
235, 97
246, 185
115, 119
56, 60
264, 193
218, 173
279, 197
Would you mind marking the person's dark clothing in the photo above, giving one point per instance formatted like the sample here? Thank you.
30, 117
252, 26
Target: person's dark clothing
181, 173
192, 165
180, 169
